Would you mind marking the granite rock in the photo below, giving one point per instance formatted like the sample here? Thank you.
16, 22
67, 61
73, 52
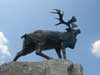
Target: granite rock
47, 67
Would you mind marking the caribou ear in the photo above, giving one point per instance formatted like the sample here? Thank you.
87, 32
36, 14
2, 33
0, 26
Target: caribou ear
78, 31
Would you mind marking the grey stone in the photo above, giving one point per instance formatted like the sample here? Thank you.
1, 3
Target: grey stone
48, 67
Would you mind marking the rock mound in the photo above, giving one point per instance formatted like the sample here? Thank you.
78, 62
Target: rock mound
49, 67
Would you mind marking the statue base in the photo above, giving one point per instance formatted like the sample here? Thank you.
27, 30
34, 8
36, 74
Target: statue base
48, 67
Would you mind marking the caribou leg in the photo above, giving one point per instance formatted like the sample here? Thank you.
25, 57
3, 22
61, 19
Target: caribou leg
43, 55
58, 51
39, 52
63, 51
19, 54
22, 53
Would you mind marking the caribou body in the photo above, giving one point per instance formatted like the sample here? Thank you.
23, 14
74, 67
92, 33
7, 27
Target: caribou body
42, 40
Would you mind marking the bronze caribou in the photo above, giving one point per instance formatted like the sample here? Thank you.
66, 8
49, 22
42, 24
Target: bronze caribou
42, 40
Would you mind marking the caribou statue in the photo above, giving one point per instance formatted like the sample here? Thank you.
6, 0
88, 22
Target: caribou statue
42, 40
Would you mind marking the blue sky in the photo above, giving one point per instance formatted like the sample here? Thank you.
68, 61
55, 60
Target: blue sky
21, 16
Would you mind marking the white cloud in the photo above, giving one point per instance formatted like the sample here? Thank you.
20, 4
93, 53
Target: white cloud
96, 48
3, 48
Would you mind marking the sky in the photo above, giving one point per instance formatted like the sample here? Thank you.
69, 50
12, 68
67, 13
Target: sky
18, 17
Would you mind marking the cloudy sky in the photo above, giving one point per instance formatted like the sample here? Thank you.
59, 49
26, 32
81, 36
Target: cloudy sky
20, 16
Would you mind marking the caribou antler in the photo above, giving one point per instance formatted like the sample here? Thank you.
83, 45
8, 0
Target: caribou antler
60, 16
70, 22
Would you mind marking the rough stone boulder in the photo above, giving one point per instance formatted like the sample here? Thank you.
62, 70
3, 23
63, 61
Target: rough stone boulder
48, 67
